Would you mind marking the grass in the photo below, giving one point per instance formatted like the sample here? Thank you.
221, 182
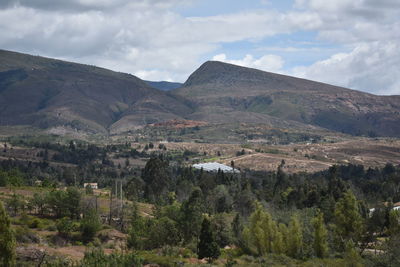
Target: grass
211, 159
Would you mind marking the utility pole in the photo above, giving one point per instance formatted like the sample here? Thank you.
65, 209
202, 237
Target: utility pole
121, 217
96, 205
120, 186
110, 215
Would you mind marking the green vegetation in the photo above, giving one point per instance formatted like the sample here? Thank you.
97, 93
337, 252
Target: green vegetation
173, 214
90, 225
7, 240
207, 247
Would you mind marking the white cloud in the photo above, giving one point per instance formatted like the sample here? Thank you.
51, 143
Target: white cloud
132, 38
368, 67
272, 63
367, 30
154, 75
150, 39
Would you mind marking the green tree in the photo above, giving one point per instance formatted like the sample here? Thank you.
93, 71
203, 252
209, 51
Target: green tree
3, 178
7, 240
65, 203
320, 236
237, 228
207, 246
64, 227
90, 224
261, 235
351, 257
73, 202
192, 211
38, 202
221, 228
278, 245
295, 238
15, 203
157, 179
163, 231
89, 190
138, 230
394, 222
56, 201
348, 221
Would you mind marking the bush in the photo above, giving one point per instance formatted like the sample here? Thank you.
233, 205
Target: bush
24, 235
51, 228
64, 227
90, 225
163, 261
97, 258
35, 223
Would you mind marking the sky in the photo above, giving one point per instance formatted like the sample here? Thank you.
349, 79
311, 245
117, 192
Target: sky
350, 43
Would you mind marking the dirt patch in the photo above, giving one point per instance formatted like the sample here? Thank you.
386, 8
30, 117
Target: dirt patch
179, 124
298, 157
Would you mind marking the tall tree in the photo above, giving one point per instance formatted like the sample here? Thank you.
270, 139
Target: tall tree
156, 176
295, 238
137, 233
320, 236
7, 240
237, 228
259, 236
90, 225
348, 221
73, 202
207, 247
192, 211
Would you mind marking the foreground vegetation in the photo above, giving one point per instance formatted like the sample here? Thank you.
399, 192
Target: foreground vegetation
249, 219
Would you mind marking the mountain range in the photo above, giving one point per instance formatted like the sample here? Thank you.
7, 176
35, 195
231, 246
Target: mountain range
46, 93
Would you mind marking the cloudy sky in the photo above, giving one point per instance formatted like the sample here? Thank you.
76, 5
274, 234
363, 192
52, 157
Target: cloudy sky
352, 43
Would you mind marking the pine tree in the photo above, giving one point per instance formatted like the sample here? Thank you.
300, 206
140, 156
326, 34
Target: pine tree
138, 230
351, 256
237, 228
348, 221
320, 236
207, 247
260, 236
7, 240
192, 211
295, 238
90, 225
278, 246
157, 179
260, 232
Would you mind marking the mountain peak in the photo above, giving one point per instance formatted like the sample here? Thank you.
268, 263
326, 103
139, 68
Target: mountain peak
226, 73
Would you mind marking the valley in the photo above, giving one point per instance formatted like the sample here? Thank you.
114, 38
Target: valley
301, 154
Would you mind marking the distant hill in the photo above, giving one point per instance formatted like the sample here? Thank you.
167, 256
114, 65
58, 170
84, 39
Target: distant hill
45, 92
164, 86
224, 92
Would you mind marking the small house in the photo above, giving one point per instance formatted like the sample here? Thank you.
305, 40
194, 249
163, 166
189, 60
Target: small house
91, 185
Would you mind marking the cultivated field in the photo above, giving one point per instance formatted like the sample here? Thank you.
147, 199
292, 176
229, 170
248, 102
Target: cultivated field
299, 157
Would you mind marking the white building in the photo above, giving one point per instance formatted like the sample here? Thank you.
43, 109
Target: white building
214, 167
92, 185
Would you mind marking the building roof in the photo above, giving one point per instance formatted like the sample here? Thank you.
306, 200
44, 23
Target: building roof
214, 167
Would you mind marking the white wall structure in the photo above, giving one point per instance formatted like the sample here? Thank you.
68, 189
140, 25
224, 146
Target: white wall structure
214, 167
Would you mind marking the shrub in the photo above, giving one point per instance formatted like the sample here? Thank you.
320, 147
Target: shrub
97, 258
64, 227
90, 225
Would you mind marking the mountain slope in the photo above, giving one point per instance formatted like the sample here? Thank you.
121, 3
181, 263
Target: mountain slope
163, 85
50, 93
46, 92
225, 92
